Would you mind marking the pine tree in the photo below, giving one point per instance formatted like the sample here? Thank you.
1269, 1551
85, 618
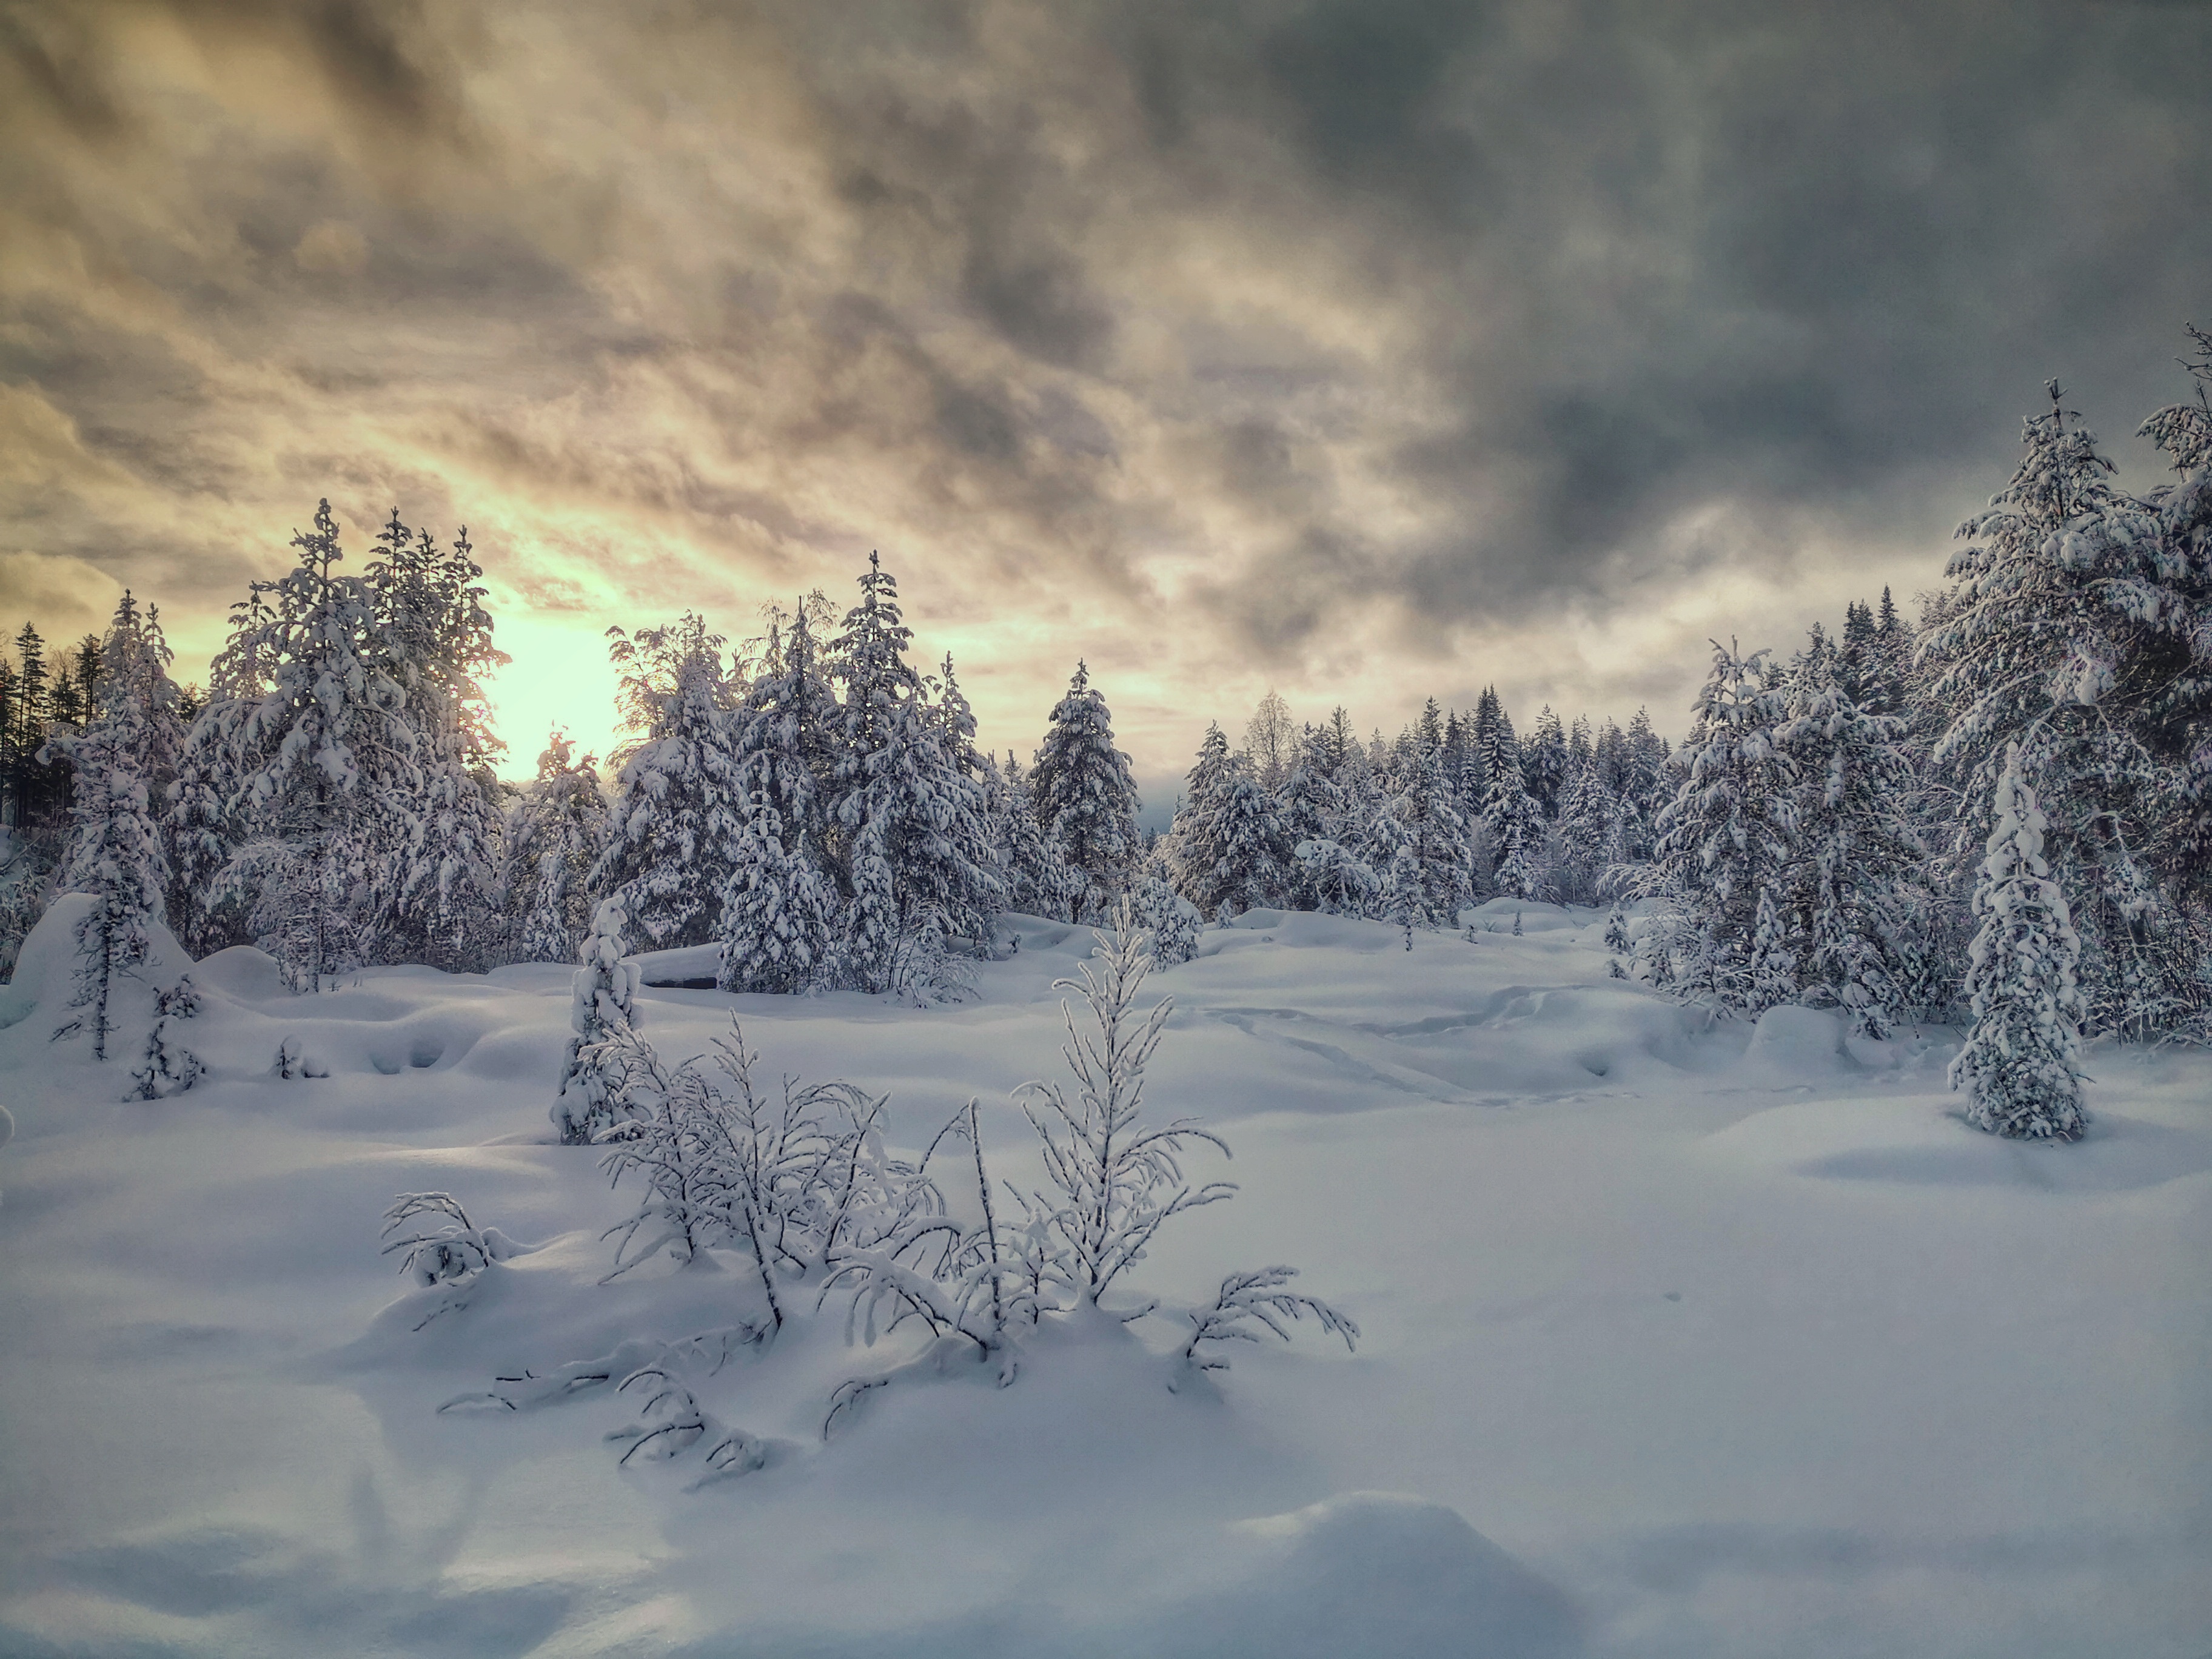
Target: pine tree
1038, 880
1644, 787
1316, 826
911, 817
2020, 1058
1586, 820
34, 788
1189, 855
1513, 828
554, 835
2176, 715
1426, 842
1233, 857
1085, 797
778, 926
601, 1011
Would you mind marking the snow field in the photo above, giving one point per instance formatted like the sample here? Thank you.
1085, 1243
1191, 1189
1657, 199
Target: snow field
1678, 1337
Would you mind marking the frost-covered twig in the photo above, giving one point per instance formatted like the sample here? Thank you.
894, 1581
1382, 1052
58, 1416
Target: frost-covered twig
675, 1422
1250, 1303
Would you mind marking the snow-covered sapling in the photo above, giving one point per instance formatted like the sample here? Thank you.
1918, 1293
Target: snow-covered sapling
601, 1004
1117, 1180
168, 1067
1171, 922
446, 1249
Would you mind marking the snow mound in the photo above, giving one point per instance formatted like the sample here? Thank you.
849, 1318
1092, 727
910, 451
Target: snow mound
1924, 1141
1495, 916
243, 972
1373, 1573
1791, 1043
46, 967
691, 967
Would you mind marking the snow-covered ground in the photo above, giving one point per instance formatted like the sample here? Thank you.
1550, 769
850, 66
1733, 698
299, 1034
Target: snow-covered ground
1676, 1339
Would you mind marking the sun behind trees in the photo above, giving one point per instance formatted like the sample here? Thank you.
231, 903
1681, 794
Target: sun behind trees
813, 807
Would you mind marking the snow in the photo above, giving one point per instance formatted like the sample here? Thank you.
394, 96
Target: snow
1679, 1337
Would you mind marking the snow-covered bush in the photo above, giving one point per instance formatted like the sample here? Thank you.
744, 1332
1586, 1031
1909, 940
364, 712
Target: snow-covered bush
446, 1251
791, 1181
796, 1183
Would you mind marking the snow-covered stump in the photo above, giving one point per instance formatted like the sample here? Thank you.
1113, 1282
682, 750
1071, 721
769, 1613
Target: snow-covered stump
2020, 1058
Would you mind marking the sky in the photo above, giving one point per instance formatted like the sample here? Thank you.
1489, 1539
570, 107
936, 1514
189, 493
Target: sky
1368, 350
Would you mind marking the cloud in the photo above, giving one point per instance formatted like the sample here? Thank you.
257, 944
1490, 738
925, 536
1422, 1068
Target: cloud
333, 247
1367, 347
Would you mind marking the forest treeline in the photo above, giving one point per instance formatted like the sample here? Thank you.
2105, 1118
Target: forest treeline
813, 803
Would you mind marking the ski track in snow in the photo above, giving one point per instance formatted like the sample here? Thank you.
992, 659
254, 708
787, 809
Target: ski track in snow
1680, 1338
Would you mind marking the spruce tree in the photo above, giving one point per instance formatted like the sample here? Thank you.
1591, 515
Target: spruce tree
554, 835
115, 856
909, 814
2063, 629
437, 639
1038, 880
1544, 762
1422, 838
2020, 1063
324, 761
1728, 840
1857, 850
677, 812
1086, 798
1586, 819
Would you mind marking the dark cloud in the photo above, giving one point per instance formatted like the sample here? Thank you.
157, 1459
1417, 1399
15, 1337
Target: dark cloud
1326, 337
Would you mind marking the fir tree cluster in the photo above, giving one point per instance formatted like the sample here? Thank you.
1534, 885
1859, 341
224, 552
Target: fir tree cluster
1457, 808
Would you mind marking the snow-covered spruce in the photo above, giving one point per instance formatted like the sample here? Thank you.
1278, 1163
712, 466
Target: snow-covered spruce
677, 812
554, 834
168, 1067
1086, 799
114, 856
321, 761
780, 918
601, 1004
2020, 1064
1172, 923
